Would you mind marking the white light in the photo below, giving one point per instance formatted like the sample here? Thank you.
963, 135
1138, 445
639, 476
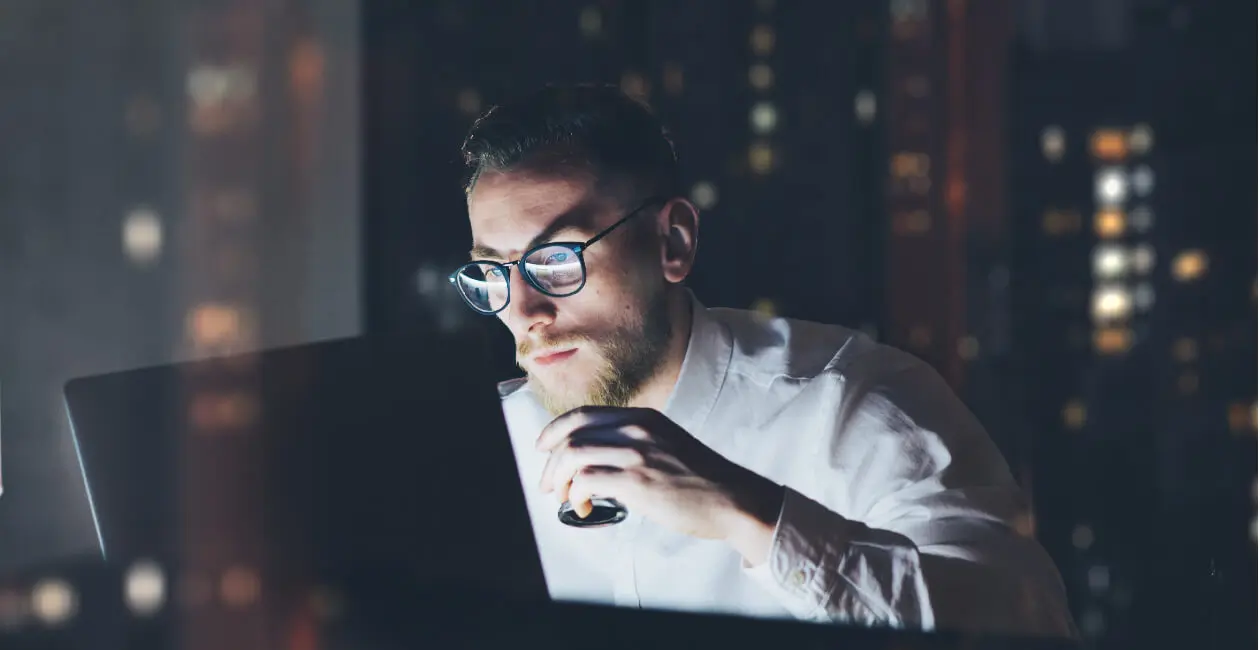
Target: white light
1142, 259
1109, 261
209, 85
145, 590
1099, 578
1140, 139
1112, 302
764, 117
53, 601
142, 235
1141, 219
1143, 180
1082, 537
1143, 297
1053, 143
704, 195
864, 106
1110, 186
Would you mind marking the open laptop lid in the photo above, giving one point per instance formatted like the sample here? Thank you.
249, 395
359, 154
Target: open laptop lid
322, 457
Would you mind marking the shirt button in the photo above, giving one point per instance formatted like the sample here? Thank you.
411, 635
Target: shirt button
798, 577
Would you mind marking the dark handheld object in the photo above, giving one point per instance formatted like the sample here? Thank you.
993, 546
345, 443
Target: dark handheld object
606, 512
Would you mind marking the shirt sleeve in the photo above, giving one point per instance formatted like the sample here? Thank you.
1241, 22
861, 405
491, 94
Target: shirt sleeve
928, 540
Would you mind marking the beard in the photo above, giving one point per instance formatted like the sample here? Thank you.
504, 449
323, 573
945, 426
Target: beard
630, 355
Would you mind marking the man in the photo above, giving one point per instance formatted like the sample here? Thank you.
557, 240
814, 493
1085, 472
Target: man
770, 467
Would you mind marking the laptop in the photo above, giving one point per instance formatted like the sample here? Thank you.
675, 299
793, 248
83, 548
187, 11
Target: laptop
355, 457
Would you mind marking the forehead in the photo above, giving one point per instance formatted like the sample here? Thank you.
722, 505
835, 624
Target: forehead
508, 210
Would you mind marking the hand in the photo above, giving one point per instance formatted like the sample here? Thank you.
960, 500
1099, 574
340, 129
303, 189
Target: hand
646, 461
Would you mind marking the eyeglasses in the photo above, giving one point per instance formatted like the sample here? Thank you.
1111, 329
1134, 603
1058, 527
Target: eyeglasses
557, 269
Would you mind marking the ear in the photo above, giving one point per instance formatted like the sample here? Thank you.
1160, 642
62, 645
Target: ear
678, 228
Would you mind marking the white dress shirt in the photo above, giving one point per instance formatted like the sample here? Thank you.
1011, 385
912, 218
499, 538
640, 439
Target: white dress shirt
898, 508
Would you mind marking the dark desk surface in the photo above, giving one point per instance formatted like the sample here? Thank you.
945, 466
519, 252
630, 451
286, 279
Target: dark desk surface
374, 610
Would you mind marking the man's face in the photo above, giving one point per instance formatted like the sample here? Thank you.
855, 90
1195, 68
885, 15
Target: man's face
600, 345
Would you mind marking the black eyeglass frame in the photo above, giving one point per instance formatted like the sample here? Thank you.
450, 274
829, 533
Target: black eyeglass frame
577, 247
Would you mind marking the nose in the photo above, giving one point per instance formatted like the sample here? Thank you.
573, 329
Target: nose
529, 310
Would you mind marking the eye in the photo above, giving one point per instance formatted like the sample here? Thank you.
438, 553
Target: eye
496, 273
558, 257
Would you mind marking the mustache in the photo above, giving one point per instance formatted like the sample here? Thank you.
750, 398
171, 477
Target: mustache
525, 348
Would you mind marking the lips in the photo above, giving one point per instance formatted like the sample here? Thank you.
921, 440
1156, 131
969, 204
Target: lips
554, 357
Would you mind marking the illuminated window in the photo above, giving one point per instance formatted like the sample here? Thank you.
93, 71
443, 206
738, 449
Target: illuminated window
1113, 340
1142, 259
763, 117
1144, 296
704, 195
913, 222
761, 157
1110, 261
1185, 350
1060, 222
765, 307
222, 97
1053, 143
145, 588
1111, 187
908, 164
1112, 303
1142, 180
1109, 223
1141, 139
213, 324
634, 85
968, 348
1082, 537
672, 78
761, 76
1189, 265
240, 587
762, 40
1188, 383
1141, 219
864, 107
142, 236
54, 601
591, 22
1074, 414
1109, 145
469, 101
920, 336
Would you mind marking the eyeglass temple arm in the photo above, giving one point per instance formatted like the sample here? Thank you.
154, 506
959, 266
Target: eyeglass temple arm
620, 221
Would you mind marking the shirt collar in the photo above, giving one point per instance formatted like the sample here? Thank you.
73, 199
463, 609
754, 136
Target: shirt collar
703, 370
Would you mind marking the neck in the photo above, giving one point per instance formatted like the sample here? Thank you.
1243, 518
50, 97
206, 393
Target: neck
655, 393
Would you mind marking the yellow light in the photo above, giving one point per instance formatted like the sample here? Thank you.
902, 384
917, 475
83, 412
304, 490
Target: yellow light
1186, 350
765, 307
145, 590
1113, 340
1109, 145
1110, 261
1189, 265
634, 85
910, 164
1053, 143
1109, 223
761, 76
240, 587
704, 195
912, 222
762, 40
215, 324
1074, 414
761, 157
1111, 303
54, 601
1060, 222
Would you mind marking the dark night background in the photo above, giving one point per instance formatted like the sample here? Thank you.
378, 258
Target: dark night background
1049, 200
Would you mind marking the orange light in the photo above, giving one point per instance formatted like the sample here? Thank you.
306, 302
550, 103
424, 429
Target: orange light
1189, 265
1109, 145
908, 164
1113, 340
1109, 223
1074, 414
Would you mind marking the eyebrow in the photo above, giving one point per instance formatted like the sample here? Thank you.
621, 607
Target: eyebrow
577, 218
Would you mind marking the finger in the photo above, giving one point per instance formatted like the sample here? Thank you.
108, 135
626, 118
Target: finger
559, 429
571, 460
591, 482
